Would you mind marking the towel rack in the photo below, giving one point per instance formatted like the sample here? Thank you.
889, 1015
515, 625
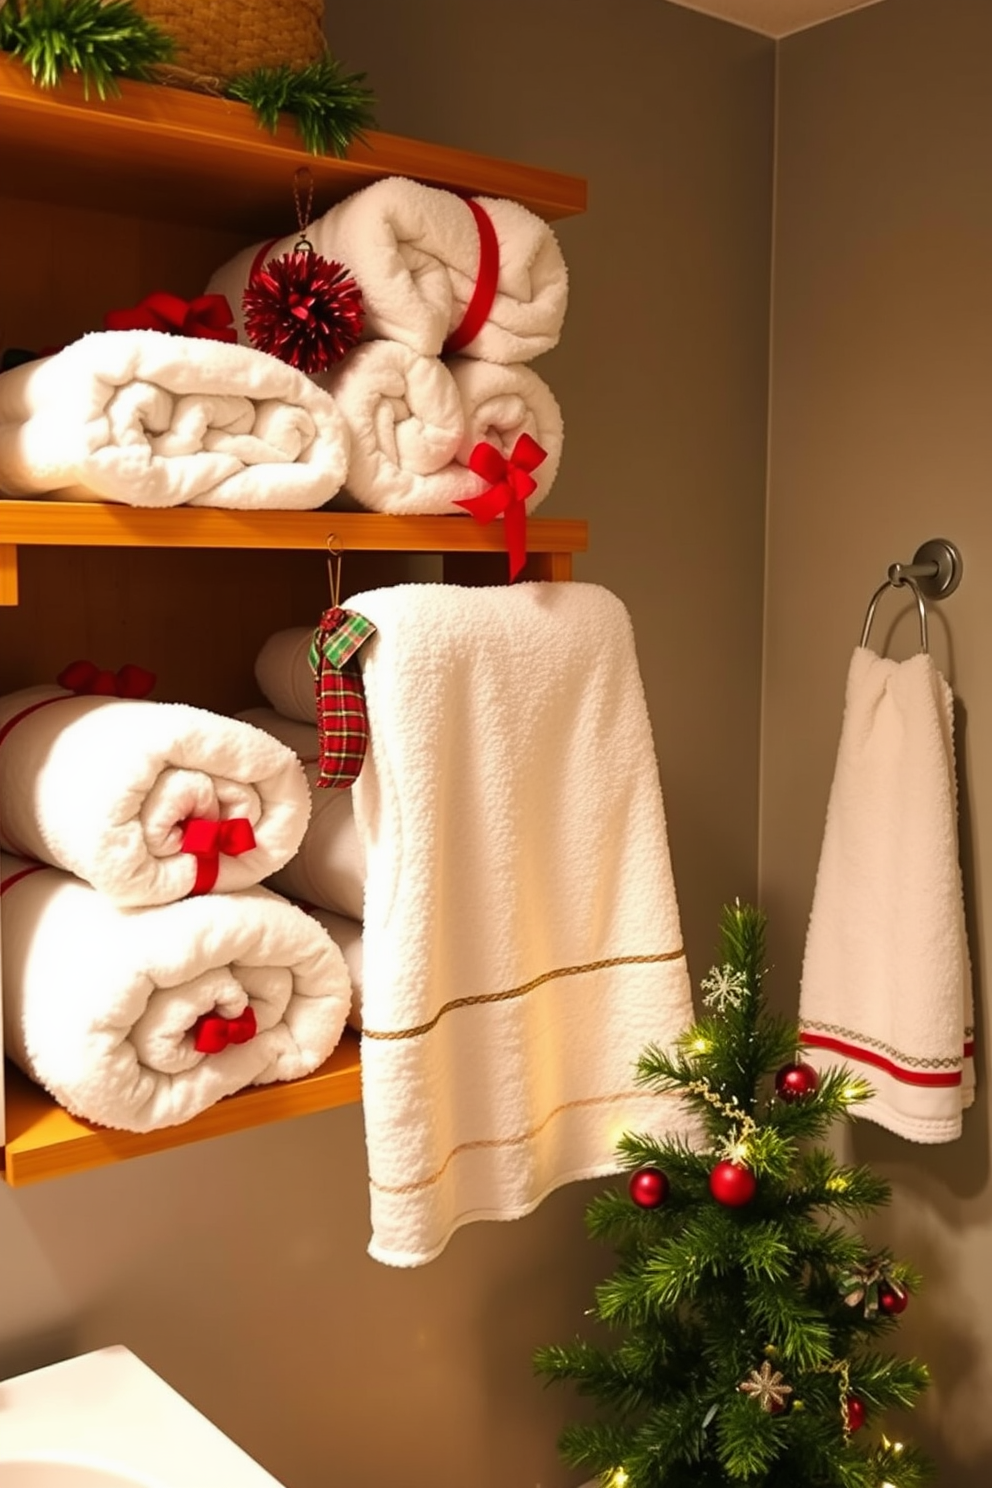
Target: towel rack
934, 573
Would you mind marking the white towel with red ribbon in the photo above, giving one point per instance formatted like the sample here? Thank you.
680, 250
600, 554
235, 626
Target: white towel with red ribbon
149, 802
886, 982
141, 1018
484, 277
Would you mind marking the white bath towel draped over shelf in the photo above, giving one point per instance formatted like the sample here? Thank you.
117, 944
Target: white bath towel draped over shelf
522, 941
886, 982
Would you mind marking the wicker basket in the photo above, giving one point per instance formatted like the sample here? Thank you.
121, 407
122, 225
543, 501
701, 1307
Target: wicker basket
216, 39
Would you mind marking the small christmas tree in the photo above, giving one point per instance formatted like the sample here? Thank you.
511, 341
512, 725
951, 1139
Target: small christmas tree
750, 1313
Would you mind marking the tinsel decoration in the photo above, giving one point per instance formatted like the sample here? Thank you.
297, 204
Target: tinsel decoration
302, 308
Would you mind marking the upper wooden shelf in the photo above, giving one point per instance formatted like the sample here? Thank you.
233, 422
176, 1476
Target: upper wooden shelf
168, 154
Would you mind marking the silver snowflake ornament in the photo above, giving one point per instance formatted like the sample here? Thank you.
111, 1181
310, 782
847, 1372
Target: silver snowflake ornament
723, 988
765, 1385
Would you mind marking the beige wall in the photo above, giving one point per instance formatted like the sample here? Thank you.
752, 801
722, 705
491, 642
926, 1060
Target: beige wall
238, 1268
881, 437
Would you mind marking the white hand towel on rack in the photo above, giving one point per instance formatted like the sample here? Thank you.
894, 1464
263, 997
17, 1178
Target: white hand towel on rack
886, 983
522, 941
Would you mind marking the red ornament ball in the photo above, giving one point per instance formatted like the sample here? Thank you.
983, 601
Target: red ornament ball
304, 310
796, 1081
892, 1299
855, 1412
648, 1188
732, 1184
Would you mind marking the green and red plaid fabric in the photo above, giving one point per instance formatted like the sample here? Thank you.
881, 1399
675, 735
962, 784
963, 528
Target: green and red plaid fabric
342, 715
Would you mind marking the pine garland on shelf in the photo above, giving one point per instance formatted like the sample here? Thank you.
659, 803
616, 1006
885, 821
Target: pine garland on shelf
99, 41
331, 107
750, 1311
106, 39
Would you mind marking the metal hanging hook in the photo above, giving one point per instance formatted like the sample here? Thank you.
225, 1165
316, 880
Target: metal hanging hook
334, 555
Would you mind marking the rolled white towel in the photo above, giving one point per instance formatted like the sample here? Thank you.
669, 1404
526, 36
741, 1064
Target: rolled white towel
284, 674
148, 419
347, 936
328, 868
103, 1006
111, 788
415, 252
415, 420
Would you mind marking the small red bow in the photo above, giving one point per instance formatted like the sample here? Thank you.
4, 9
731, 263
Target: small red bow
510, 484
212, 1032
86, 679
207, 839
209, 315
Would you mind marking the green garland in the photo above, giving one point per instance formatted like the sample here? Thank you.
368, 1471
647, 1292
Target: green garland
99, 41
331, 107
104, 41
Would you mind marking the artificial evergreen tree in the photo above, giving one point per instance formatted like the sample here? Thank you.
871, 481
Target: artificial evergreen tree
749, 1310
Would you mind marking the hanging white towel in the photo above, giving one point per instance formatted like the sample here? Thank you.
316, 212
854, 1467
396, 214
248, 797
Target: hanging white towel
101, 1005
886, 982
522, 941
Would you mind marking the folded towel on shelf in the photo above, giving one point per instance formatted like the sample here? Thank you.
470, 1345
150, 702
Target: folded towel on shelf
148, 419
416, 253
328, 867
521, 940
141, 1018
414, 421
886, 982
146, 801
347, 936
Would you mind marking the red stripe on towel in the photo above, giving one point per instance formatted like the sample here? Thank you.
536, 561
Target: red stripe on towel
478, 308
868, 1056
14, 878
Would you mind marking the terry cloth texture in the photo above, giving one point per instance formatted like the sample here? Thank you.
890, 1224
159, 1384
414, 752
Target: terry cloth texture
886, 983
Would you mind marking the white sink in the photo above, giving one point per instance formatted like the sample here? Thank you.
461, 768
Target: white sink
105, 1420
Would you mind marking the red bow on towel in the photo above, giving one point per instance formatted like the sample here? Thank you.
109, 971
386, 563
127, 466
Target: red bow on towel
86, 680
206, 840
212, 1032
209, 315
511, 483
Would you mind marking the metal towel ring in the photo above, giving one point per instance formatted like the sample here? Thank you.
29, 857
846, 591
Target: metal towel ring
934, 572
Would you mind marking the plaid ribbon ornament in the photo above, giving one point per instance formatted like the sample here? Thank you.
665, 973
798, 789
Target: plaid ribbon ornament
342, 714
861, 1286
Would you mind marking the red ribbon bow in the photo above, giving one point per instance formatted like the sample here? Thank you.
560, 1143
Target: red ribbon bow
510, 484
86, 680
207, 839
212, 1032
209, 315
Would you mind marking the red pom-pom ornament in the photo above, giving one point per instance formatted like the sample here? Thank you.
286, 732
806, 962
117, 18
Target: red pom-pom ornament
892, 1299
648, 1188
796, 1081
732, 1184
303, 309
854, 1413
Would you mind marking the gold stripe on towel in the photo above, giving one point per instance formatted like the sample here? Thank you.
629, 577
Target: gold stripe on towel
421, 1183
547, 976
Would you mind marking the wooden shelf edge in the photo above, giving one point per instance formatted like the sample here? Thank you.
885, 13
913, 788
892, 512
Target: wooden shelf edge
149, 122
104, 524
44, 1141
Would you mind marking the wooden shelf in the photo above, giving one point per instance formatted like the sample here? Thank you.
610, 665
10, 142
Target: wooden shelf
44, 1141
106, 525
168, 154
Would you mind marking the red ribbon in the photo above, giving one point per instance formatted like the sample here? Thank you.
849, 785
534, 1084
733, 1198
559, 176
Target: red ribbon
209, 316
207, 839
510, 483
478, 308
212, 1032
87, 680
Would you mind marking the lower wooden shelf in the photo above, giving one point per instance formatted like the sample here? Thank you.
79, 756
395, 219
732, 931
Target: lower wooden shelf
44, 1141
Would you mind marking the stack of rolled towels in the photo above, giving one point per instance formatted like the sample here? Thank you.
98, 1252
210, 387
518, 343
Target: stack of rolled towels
147, 971
415, 395
326, 875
